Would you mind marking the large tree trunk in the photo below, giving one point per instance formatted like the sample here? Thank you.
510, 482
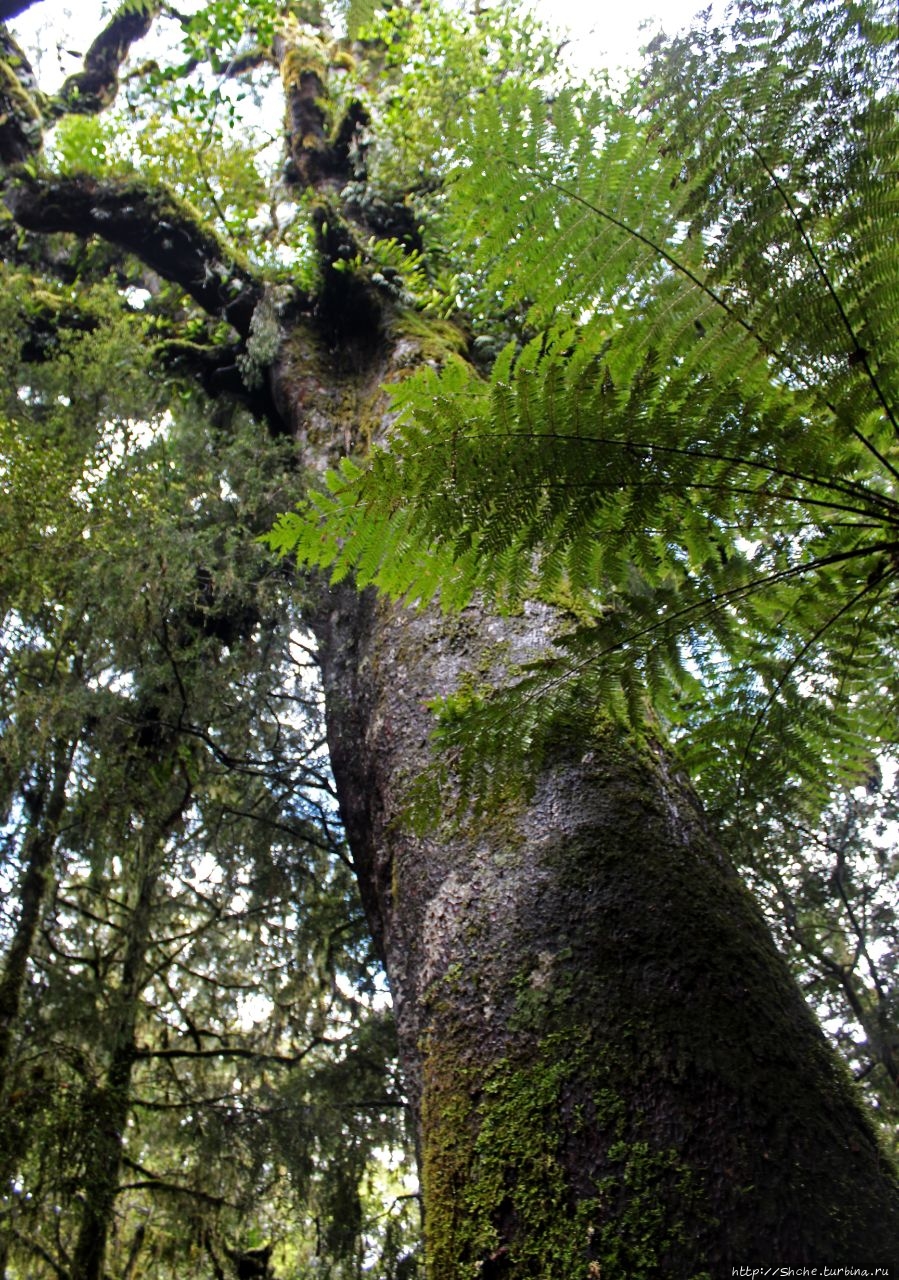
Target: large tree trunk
613, 1072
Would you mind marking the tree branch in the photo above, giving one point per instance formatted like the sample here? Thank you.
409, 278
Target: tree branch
38, 1249
21, 104
46, 318
187, 1104
157, 1184
149, 222
217, 369
96, 85
25, 111
153, 1182
255, 1055
12, 8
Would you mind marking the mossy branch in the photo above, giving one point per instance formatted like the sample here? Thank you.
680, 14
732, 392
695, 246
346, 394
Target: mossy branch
161, 230
25, 112
95, 87
21, 104
219, 369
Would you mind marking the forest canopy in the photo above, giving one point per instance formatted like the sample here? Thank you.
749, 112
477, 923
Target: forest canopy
293, 299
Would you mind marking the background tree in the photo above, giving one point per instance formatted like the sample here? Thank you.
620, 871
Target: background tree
186, 962
610, 1068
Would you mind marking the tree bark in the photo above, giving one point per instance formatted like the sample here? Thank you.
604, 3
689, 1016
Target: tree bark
37, 859
38, 848
613, 1072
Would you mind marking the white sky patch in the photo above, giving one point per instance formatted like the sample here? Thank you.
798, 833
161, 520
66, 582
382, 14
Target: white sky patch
610, 35
605, 35
137, 298
206, 872
254, 1010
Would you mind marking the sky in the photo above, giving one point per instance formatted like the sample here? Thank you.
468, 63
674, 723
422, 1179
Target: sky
603, 33
609, 33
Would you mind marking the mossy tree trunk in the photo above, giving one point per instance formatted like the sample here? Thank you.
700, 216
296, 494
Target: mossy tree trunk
614, 1072
44, 808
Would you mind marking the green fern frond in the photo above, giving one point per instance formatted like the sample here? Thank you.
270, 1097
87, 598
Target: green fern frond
697, 449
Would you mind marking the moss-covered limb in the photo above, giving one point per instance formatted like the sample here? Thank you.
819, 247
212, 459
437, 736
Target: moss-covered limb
47, 320
25, 111
22, 250
303, 74
46, 316
163, 231
21, 105
319, 149
95, 86
345, 135
219, 368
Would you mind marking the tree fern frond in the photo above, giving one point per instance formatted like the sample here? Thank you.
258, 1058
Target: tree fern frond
696, 448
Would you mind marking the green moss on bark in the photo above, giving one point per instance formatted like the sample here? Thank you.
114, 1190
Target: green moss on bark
430, 338
617, 1077
499, 1190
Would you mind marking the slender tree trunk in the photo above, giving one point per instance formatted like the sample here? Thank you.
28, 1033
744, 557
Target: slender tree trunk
107, 1108
38, 848
37, 860
107, 1111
